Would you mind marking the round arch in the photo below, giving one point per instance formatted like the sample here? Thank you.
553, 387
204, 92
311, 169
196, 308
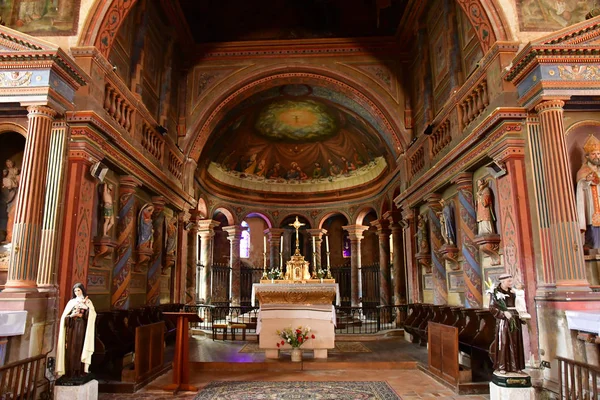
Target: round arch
363, 213
257, 81
202, 208
226, 212
13, 127
385, 206
332, 214
262, 216
294, 214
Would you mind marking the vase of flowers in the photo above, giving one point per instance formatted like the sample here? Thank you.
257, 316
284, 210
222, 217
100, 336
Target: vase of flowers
295, 338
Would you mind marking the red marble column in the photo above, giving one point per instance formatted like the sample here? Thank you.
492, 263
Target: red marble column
467, 217
567, 246
206, 230
234, 235
515, 226
412, 266
27, 228
191, 293
398, 252
440, 291
126, 234
318, 235
383, 233
156, 263
274, 246
355, 233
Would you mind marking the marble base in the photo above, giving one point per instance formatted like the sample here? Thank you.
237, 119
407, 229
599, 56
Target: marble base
511, 393
272, 353
88, 391
320, 353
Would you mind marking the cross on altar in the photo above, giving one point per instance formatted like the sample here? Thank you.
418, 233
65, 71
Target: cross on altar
297, 225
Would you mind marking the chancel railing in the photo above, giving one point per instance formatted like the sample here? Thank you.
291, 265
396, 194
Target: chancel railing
248, 276
343, 277
17, 379
577, 380
370, 285
220, 274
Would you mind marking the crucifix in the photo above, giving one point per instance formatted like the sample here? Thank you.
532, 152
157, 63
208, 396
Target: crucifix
297, 224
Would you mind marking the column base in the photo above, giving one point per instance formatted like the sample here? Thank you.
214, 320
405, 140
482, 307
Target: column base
87, 391
511, 393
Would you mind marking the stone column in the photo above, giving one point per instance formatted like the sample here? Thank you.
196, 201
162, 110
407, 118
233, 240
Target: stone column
156, 263
27, 228
126, 235
179, 271
467, 216
206, 230
46, 280
234, 235
440, 293
274, 235
567, 246
398, 264
192, 294
408, 223
289, 245
77, 217
318, 235
383, 233
355, 233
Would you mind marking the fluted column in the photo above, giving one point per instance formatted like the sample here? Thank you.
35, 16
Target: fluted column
192, 294
46, 280
234, 235
355, 233
274, 235
27, 228
126, 234
206, 230
156, 262
471, 265
440, 291
383, 233
318, 235
567, 247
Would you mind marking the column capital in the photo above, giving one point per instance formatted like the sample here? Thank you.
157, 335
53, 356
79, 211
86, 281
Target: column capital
550, 105
508, 149
394, 217
206, 227
355, 231
464, 181
41, 111
85, 151
382, 226
274, 233
318, 233
129, 181
433, 201
234, 231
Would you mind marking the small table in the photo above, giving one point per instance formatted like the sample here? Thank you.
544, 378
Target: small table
181, 362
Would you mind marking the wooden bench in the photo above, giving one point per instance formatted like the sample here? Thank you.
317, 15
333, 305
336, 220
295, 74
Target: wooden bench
234, 326
215, 329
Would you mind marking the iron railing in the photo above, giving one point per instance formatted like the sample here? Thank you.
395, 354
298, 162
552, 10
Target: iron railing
349, 320
577, 380
17, 379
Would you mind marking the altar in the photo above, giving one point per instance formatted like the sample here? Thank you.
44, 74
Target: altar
288, 304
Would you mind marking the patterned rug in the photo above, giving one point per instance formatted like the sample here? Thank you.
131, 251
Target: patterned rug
340, 347
297, 390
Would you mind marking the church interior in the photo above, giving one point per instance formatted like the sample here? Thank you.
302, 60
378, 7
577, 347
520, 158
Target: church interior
413, 156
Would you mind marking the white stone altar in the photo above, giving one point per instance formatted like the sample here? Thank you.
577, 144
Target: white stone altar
87, 391
296, 304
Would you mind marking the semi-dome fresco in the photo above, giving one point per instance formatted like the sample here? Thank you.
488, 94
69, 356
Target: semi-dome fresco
296, 138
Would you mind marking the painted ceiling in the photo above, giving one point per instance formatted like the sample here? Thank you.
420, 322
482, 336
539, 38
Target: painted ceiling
295, 139
234, 20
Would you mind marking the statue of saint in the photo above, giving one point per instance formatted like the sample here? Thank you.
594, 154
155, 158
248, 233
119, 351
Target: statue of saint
588, 198
145, 229
447, 223
171, 241
485, 209
76, 335
107, 208
422, 237
11, 176
507, 348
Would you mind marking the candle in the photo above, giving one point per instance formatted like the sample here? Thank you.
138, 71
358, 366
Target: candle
327, 243
264, 244
281, 244
314, 244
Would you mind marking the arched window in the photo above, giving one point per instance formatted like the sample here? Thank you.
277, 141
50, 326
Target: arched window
245, 242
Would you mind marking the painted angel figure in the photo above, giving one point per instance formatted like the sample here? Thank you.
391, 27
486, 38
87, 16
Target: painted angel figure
145, 229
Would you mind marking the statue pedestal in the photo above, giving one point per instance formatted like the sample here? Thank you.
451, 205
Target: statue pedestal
87, 391
511, 393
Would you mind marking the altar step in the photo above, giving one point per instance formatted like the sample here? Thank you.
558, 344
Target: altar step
284, 364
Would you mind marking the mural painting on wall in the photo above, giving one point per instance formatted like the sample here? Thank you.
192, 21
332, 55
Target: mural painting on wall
551, 15
297, 139
41, 17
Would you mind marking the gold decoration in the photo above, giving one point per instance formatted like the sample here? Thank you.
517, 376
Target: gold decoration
591, 144
312, 296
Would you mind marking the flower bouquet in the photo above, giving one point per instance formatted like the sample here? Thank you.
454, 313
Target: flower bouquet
275, 273
294, 337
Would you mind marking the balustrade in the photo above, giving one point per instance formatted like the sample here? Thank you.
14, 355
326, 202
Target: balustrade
441, 137
118, 107
175, 165
417, 161
474, 103
153, 142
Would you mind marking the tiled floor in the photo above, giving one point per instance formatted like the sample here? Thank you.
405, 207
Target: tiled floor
387, 361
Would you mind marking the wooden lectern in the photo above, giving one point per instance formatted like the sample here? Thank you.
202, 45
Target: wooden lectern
181, 365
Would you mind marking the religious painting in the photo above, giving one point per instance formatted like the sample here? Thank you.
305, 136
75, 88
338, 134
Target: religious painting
456, 281
439, 57
41, 17
551, 15
428, 282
